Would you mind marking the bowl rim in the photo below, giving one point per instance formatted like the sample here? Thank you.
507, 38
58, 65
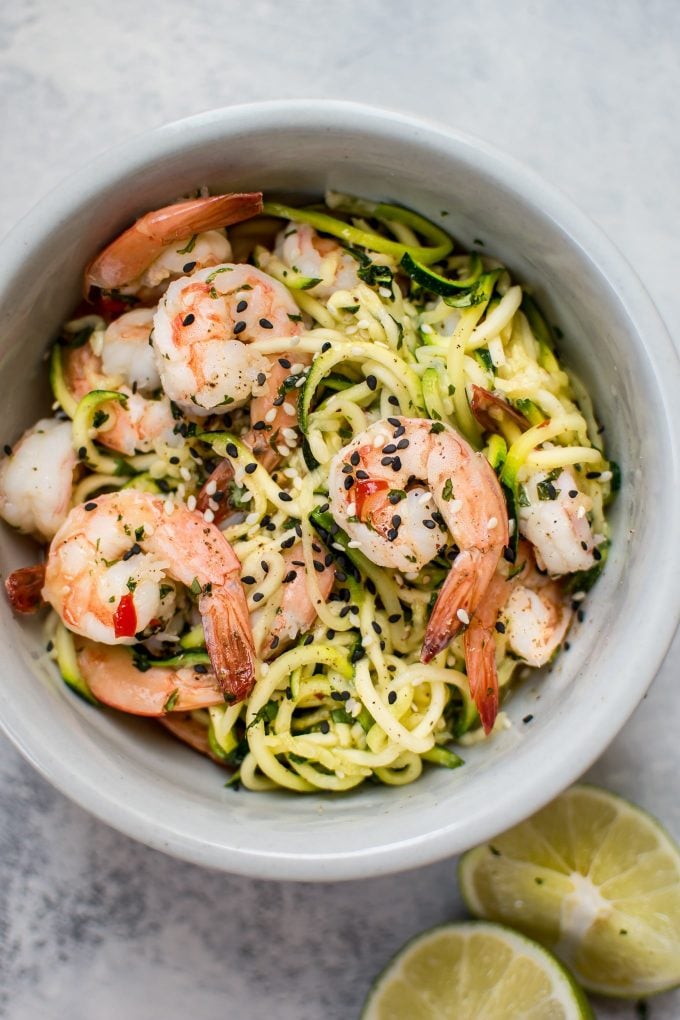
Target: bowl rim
664, 604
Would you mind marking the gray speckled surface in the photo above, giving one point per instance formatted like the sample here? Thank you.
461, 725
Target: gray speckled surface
92, 925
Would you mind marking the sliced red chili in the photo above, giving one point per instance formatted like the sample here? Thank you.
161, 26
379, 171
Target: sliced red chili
363, 492
125, 618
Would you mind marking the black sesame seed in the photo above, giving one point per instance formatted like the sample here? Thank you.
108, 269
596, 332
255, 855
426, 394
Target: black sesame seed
393, 400
308, 640
232, 449
218, 496
371, 382
261, 379
82, 453
8, 449
527, 718
344, 611
284, 362
328, 559
347, 469
242, 305
392, 697
390, 448
325, 347
392, 534
298, 529
362, 474
290, 576
573, 493
324, 726
349, 482
266, 324
278, 401
566, 646
239, 327
597, 555
376, 627
318, 566
49, 646
394, 422
396, 521
330, 633
336, 695
324, 508
394, 618
355, 458
584, 546
396, 464
259, 425
248, 579
430, 525
580, 616
288, 542
188, 266
258, 596
274, 644
265, 566
386, 461
188, 319
500, 627
249, 470
402, 444
285, 497
90, 506
399, 432
200, 668
370, 586
174, 460
593, 474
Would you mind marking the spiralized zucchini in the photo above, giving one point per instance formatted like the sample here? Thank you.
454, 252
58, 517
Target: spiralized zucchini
350, 700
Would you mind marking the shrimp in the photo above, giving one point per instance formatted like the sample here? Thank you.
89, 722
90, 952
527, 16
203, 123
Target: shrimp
187, 729
399, 488
111, 576
132, 252
126, 362
297, 613
557, 526
299, 246
36, 479
114, 680
530, 610
203, 330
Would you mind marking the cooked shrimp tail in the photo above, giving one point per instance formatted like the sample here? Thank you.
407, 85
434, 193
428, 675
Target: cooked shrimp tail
228, 639
480, 662
135, 249
24, 588
460, 595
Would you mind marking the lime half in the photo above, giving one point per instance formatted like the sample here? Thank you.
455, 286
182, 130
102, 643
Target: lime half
594, 879
472, 970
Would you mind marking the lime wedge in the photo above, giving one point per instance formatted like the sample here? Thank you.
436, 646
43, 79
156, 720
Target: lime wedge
594, 879
472, 970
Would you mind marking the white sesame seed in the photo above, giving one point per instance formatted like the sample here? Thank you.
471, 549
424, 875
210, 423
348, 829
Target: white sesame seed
191, 503
426, 328
252, 518
581, 512
491, 523
290, 472
578, 596
606, 476
296, 367
208, 516
270, 415
211, 488
168, 506
363, 324
264, 668
367, 640
185, 473
293, 341
288, 408
245, 498
339, 774
351, 509
356, 352
301, 382
463, 616
283, 450
354, 544
425, 498
289, 434
351, 330
511, 527
336, 545
213, 504
385, 292
457, 504
379, 440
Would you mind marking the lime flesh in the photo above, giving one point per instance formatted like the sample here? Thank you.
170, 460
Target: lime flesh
594, 879
471, 970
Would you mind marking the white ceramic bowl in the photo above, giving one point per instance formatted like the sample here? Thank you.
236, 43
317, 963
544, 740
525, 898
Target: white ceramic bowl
139, 780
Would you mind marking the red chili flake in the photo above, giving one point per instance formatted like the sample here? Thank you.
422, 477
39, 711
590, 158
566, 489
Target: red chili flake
363, 492
125, 618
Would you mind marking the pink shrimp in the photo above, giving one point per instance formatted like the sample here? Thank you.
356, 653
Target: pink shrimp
133, 251
401, 489
534, 617
112, 574
297, 612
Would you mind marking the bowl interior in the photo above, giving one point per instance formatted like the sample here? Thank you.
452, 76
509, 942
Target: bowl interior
135, 776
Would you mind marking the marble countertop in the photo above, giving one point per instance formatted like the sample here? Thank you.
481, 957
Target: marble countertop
92, 925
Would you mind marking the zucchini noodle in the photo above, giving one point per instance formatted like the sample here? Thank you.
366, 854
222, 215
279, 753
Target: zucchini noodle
395, 319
